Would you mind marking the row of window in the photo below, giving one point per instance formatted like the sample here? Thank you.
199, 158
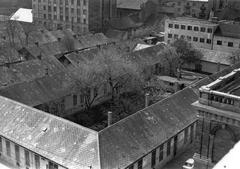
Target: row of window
169, 147
190, 28
84, 11
195, 39
230, 44
61, 1
26, 155
67, 18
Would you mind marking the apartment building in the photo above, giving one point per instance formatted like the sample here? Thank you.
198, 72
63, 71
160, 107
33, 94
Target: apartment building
227, 37
199, 32
218, 117
79, 15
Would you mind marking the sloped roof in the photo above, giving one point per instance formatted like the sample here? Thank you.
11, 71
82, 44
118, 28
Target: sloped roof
133, 137
64, 142
52, 48
111, 33
130, 4
155, 18
23, 15
7, 76
229, 30
227, 14
122, 23
38, 91
216, 56
89, 40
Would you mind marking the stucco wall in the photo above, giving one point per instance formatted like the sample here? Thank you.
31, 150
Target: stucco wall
224, 47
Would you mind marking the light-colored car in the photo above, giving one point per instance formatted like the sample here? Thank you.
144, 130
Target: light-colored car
189, 164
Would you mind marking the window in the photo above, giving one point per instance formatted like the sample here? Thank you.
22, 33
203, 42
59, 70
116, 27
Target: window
175, 36
230, 44
54, 8
161, 153
67, 18
209, 30
49, 8
201, 40
78, 2
153, 163
74, 100
203, 29
198, 67
189, 38
194, 4
179, 9
185, 135
196, 28
179, 3
168, 147
85, 22
37, 161
61, 18
84, 2
72, 2
219, 42
189, 28
195, 39
8, 148
176, 26
84, 12
140, 164
72, 10
170, 25
183, 27
169, 35
44, 16
0, 144
52, 165
17, 153
27, 159
182, 37
44, 7
209, 41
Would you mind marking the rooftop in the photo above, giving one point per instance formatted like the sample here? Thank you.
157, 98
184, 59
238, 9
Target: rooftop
23, 15
193, 21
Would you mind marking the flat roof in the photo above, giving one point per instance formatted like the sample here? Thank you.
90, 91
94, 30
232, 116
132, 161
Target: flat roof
192, 20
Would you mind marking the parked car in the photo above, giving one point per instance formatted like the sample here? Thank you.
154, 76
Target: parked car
189, 164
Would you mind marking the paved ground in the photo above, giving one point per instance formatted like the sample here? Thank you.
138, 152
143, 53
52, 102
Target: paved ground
179, 161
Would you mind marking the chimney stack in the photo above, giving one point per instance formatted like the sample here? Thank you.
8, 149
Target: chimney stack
46, 71
39, 56
146, 99
109, 118
36, 43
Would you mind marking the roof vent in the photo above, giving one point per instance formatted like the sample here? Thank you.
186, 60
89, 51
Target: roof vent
44, 129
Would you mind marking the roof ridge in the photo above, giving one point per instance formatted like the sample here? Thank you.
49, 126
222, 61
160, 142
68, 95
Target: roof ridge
49, 115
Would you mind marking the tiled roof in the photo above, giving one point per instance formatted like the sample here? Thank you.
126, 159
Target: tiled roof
216, 56
137, 135
38, 91
7, 76
230, 30
54, 138
89, 40
122, 23
130, 4
52, 48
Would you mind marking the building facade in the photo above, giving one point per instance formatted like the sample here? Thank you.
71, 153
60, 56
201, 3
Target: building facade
218, 117
79, 15
199, 32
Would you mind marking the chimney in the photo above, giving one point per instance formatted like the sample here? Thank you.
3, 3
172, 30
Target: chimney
36, 43
218, 66
176, 87
59, 39
46, 70
109, 118
39, 56
146, 99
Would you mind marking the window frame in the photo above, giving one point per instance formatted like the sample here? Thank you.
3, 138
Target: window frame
189, 28
176, 26
202, 29
195, 39
230, 43
183, 27
196, 28
201, 40
219, 42
170, 25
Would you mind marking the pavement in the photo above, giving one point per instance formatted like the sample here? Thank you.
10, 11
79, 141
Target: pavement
180, 160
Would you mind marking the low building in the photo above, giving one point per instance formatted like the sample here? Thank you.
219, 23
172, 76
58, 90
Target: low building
199, 32
218, 117
227, 37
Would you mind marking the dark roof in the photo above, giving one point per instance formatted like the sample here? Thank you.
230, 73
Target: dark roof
63, 142
130, 4
229, 30
111, 33
227, 14
38, 91
52, 48
122, 23
155, 18
135, 136
7, 76
89, 40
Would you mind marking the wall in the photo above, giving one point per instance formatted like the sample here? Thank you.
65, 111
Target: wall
147, 159
191, 33
95, 13
43, 161
207, 67
224, 47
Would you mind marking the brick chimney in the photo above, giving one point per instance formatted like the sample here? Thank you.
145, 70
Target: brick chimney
146, 99
109, 118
